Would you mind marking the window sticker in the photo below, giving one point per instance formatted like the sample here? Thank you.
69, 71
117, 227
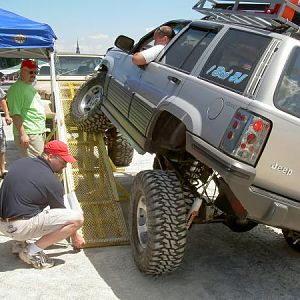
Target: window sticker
233, 76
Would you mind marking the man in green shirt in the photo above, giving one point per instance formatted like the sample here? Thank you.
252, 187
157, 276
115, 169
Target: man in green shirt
27, 112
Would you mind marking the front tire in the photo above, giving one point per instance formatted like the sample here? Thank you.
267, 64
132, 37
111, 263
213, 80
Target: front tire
157, 221
85, 107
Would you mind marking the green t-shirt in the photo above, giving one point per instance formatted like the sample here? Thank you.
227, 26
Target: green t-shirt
24, 100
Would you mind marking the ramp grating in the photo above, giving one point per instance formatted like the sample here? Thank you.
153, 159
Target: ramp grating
94, 183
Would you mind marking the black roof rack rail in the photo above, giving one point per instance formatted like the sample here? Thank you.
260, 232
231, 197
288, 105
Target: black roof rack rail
270, 14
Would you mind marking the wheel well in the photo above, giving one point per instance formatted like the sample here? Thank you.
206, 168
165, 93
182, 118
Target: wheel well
168, 133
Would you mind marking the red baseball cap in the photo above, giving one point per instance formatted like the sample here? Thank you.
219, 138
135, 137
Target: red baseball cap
28, 63
59, 148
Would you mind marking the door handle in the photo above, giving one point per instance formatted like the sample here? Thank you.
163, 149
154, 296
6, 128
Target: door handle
174, 79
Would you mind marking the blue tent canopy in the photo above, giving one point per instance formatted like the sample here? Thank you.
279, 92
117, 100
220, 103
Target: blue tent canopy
24, 38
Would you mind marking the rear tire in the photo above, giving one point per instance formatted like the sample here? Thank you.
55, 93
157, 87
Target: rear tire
119, 150
157, 222
85, 107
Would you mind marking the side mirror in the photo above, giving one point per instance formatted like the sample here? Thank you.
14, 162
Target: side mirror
124, 43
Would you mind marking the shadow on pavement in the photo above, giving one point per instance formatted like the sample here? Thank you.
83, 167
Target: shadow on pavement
218, 264
13, 262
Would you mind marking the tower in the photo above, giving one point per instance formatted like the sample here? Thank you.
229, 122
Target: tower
77, 48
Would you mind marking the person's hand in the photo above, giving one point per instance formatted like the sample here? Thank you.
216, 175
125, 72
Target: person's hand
78, 241
24, 140
8, 120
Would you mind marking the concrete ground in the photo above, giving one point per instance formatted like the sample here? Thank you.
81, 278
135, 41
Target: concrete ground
218, 264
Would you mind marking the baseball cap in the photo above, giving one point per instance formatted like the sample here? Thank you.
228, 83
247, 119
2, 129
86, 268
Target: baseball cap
59, 148
28, 63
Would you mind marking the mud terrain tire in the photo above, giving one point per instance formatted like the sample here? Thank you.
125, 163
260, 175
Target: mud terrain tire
119, 150
157, 221
85, 107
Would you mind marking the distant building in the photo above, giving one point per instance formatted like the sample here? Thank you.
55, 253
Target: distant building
77, 48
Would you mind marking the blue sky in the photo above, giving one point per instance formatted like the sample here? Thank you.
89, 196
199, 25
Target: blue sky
96, 23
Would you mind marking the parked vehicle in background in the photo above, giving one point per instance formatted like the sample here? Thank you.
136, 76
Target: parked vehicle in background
220, 104
9, 71
69, 67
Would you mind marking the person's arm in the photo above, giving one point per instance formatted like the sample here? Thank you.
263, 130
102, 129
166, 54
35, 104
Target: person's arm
18, 123
138, 59
146, 56
4, 107
77, 240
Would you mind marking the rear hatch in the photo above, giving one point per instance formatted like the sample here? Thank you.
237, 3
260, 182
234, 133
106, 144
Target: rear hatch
278, 169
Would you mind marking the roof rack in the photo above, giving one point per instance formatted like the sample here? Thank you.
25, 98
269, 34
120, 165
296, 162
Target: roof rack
272, 14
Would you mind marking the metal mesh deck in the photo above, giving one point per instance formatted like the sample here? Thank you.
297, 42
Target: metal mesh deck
94, 183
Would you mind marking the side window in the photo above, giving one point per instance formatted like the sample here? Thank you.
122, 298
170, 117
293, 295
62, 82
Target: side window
234, 59
287, 95
186, 51
147, 41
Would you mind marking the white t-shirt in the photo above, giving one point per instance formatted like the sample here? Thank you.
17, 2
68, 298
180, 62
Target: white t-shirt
151, 53
2, 94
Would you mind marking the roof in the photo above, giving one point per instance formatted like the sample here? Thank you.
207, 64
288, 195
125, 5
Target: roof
23, 38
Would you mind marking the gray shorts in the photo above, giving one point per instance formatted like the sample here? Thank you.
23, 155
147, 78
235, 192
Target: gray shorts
47, 221
36, 145
2, 137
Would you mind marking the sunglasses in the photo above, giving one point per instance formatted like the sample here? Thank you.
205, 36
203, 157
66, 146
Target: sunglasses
61, 160
163, 33
32, 72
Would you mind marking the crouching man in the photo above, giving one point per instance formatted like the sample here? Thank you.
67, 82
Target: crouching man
32, 205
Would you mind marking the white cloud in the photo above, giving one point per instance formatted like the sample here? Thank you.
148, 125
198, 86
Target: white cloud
99, 36
149, 29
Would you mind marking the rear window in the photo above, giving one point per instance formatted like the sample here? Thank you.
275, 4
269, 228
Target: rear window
287, 95
234, 59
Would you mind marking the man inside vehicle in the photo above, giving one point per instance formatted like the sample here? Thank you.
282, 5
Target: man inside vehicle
162, 37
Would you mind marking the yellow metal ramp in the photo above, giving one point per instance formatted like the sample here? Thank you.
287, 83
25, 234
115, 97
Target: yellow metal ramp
94, 183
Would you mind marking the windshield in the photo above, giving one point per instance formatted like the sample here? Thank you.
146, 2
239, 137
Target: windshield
287, 96
71, 66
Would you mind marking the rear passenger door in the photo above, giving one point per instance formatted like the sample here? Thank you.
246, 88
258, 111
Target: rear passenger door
163, 78
222, 82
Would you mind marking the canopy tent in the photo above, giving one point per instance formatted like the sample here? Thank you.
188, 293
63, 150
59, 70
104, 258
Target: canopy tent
23, 38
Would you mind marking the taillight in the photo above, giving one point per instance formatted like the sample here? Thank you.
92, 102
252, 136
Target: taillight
245, 136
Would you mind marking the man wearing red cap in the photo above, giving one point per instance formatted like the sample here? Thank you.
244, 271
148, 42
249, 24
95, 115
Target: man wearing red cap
32, 206
27, 112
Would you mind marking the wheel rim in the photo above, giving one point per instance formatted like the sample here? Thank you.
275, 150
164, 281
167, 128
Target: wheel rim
142, 228
91, 98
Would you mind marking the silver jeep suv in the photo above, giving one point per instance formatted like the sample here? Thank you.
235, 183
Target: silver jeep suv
220, 108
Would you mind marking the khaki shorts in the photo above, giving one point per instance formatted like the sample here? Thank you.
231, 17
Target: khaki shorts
36, 145
49, 220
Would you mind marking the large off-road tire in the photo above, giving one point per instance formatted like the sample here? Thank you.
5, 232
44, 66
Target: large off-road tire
119, 150
85, 107
237, 225
291, 237
157, 221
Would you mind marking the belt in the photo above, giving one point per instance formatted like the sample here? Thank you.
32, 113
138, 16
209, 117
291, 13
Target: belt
10, 219
44, 133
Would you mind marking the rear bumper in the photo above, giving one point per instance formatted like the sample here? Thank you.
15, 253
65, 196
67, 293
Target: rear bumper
261, 205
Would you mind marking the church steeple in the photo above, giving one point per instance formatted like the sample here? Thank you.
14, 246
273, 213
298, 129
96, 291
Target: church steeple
77, 48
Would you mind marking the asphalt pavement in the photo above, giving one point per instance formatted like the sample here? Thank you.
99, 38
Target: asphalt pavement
218, 264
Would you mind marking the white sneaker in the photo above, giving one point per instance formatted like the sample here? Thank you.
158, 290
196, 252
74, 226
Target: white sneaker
39, 260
